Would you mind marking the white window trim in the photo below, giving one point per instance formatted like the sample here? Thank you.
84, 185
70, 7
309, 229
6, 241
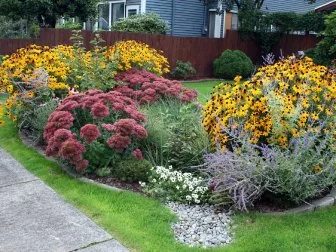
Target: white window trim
132, 7
218, 22
110, 11
143, 6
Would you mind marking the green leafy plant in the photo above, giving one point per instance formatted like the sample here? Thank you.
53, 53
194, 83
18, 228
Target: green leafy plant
10, 28
183, 70
132, 170
145, 23
232, 63
37, 119
327, 47
90, 69
70, 25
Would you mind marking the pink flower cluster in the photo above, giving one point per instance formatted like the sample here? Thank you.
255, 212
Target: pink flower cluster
124, 129
63, 143
146, 87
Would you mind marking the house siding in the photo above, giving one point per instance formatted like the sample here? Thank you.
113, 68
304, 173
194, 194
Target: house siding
133, 2
161, 7
185, 17
298, 6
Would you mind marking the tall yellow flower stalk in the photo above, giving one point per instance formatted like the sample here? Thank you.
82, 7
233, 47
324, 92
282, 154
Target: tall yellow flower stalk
136, 54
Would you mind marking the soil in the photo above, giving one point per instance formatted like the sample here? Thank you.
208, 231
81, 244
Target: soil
271, 203
115, 182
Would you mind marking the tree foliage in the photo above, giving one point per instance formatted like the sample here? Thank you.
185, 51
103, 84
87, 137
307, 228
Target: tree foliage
240, 3
326, 48
46, 12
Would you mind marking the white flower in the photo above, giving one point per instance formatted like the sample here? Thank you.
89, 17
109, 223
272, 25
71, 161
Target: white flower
154, 180
188, 197
197, 201
172, 179
177, 187
195, 196
142, 184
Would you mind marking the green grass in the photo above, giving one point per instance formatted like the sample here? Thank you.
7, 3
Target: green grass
204, 88
143, 224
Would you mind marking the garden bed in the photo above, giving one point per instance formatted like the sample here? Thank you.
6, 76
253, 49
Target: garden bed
266, 134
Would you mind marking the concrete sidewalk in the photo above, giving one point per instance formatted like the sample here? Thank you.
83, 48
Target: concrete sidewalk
34, 218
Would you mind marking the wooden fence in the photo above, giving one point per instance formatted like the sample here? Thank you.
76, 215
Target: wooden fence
200, 51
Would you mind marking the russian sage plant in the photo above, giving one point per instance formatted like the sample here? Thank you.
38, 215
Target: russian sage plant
245, 171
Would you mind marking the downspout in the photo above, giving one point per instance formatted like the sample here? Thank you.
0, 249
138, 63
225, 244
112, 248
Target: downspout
204, 32
224, 23
173, 18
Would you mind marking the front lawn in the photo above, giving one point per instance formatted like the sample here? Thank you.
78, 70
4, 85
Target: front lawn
143, 224
204, 88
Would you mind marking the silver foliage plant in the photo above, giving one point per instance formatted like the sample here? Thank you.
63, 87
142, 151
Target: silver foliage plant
245, 171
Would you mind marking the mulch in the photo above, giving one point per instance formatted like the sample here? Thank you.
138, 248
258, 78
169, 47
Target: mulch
115, 182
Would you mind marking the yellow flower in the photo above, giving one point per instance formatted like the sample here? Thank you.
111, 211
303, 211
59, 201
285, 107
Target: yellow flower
276, 104
237, 78
10, 89
317, 169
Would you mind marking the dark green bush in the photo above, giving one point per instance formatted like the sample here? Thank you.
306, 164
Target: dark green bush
317, 57
70, 25
132, 170
232, 63
183, 70
145, 23
326, 48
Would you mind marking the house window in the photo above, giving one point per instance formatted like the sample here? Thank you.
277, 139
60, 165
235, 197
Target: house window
110, 12
132, 10
234, 21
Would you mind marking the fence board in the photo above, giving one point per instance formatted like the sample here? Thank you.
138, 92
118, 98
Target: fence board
200, 51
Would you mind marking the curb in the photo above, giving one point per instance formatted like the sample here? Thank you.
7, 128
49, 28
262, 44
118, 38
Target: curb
326, 201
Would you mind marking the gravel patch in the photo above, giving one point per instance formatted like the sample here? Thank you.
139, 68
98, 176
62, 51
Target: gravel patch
201, 225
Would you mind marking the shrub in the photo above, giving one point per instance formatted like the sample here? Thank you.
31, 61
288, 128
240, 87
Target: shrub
133, 170
146, 87
131, 54
175, 135
69, 25
90, 69
231, 64
326, 48
35, 120
281, 101
28, 105
183, 70
33, 76
145, 23
18, 69
302, 171
95, 130
167, 184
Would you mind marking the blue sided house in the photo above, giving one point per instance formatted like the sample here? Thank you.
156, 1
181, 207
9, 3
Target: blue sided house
191, 17
184, 17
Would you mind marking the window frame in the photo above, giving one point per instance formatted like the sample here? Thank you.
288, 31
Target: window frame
110, 11
132, 7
